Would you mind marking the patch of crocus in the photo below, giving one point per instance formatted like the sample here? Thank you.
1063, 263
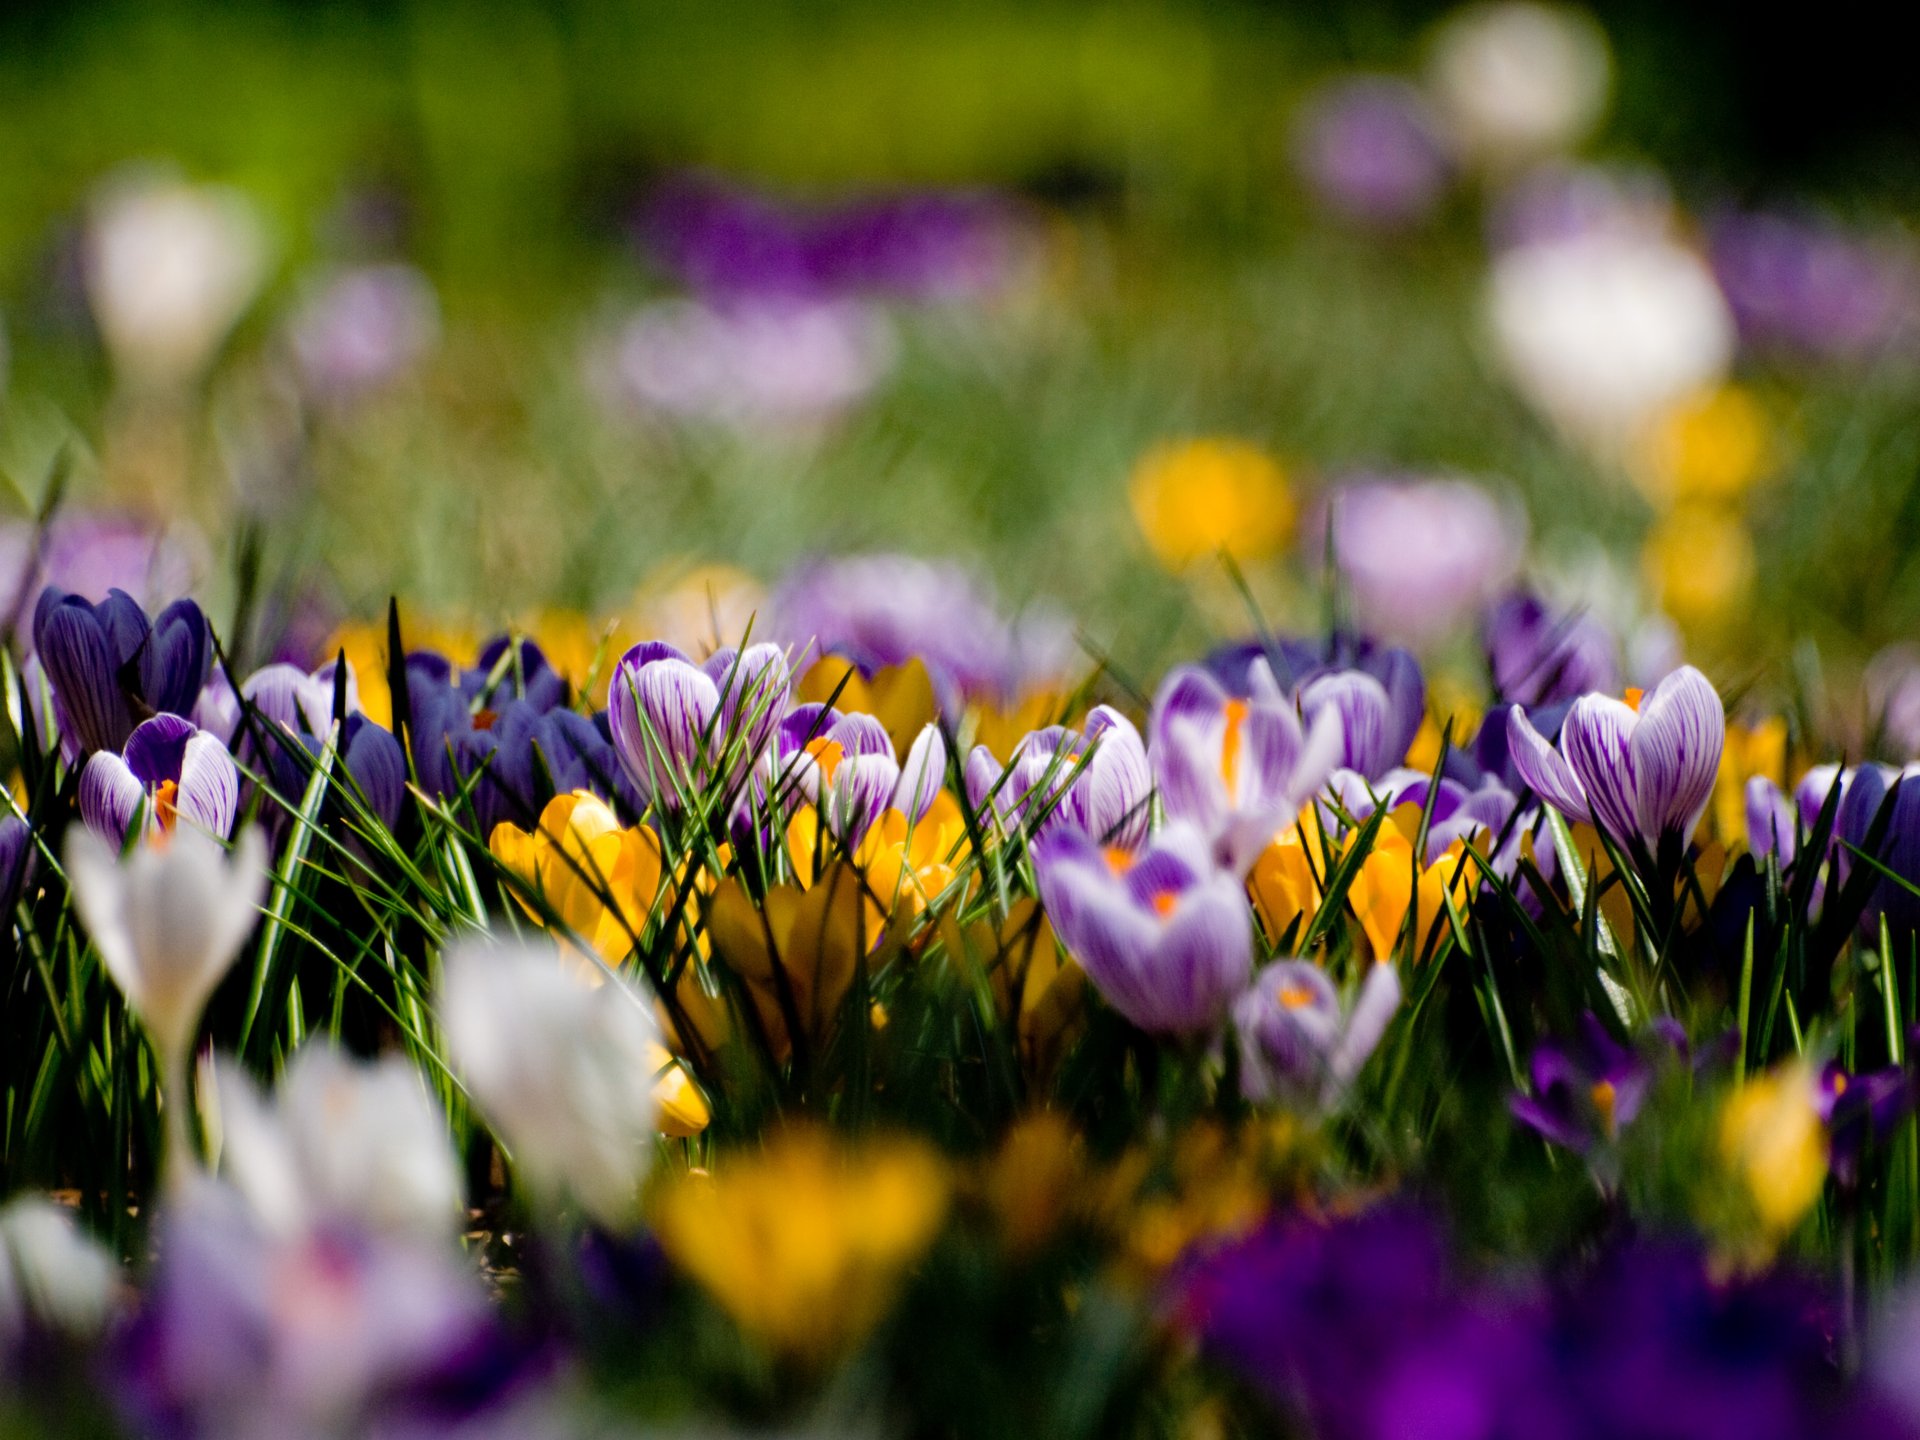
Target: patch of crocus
333, 1330
109, 664
1196, 500
1515, 80
677, 726
170, 267
1096, 779
1642, 773
1370, 149
171, 772
1237, 769
908, 861
749, 364
1298, 1044
1538, 656
1420, 555
597, 876
1773, 1146
359, 330
340, 1140
168, 922
834, 1231
1163, 934
1586, 1091
560, 1066
882, 610
1603, 332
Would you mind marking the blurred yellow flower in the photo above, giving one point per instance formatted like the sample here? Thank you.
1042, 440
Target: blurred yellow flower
1035, 1180
697, 607
580, 648
1773, 1143
1196, 498
900, 697
365, 645
805, 1243
1758, 749
1713, 445
1699, 559
683, 1109
1216, 1187
799, 949
1285, 880
595, 875
1002, 727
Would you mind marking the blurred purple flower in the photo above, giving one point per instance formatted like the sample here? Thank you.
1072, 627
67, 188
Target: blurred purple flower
1858, 1109
1557, 202
1642, 776
1586, 1091
727, 241
1370, 149
1108, 798
1297, 1046
358, 330
1811, 287
172, 770
1892, 683
16, 866
1238, 770
90, 554
751, 364
885, 610
1541, 658
1165, 937
1420, 555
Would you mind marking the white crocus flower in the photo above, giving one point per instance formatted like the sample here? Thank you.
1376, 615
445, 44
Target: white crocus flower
342, 1138
1516, 80
168, 921
51, 1274
1604, 331
170, 267
561, 1066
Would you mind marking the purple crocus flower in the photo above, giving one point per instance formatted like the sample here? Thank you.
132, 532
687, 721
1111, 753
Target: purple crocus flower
361, 329
1421, 555
1858, 1109
1370, 149
1359, 707
171, 771
1107, 797
1538, 657
1869, 789
1808, 286
1296, 1044
848, 767
1642, 776
677, 725
1297, 663
16, 865
1584, 1092
110, 666
1239, 770
1165, 936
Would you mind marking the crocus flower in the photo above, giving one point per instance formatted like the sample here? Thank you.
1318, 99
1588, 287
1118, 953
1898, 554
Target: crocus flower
834, 1233
598, 876
331, 1330
677, 726
1295, 663
1516, 80
1195, 500
171, 771
54, 1280
1585, 1092
1297, 1044
1357, 706
342, 1139
1869, 788
1237, 769
1807, 286
168, 922
1163, 934
1370, 149
850, 771
109, 665
16, 865
92, 552
361, 329
1539, 657
1643, 774
1107, 797
1858, 1109
559, 1065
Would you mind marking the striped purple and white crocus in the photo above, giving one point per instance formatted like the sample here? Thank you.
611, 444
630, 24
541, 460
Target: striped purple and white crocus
171, 771
1164, 934
1640, 772
1096, 780
1239, 769
846, 764
678, 726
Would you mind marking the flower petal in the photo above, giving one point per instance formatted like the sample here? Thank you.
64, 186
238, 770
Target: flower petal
1676, 753
1544, 770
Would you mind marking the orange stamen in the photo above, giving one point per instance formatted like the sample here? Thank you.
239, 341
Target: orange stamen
1603, 1096
1119, 861
165, 798
1634, 694
1164, 902
1295, 997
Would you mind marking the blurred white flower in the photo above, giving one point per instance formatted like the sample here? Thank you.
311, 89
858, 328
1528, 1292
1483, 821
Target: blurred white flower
168, 921
358, 330
170, 267
343, 1139
51, 1275
561, 1066
769, 362
1517, 80
1603, 331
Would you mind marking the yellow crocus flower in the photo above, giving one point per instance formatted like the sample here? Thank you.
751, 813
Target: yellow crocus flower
1772, 1142
1196, 498
598, 877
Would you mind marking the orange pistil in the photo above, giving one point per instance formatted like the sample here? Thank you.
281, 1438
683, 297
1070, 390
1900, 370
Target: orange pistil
483, 719
1603, 1097
1633, 697
827, 754
1295, 997
1119, 860
1236, 713
1164, 902
166, 798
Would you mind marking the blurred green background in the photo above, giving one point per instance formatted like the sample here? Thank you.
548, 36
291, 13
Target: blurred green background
1185, 285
